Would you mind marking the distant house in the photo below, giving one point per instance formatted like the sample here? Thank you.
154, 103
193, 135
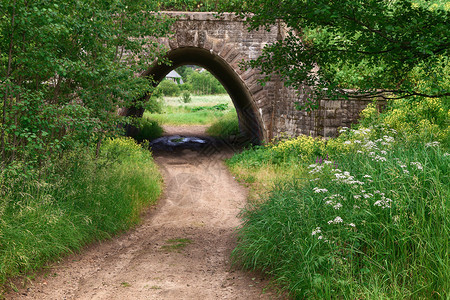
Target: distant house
175, 77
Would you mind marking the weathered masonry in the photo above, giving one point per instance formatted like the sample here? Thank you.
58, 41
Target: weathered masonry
219, 44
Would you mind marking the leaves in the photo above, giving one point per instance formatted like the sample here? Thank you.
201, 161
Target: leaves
66, 68
370, 47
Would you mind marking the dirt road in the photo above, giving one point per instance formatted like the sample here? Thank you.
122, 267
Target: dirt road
180, 251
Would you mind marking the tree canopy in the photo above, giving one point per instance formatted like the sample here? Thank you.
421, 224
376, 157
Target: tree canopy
370, 48
65, 67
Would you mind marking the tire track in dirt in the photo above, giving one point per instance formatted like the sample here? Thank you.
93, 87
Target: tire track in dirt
180, 251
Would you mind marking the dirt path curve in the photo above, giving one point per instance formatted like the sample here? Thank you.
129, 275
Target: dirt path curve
180, 251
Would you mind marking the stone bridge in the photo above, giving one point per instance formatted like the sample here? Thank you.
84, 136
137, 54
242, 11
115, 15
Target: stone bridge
219, 44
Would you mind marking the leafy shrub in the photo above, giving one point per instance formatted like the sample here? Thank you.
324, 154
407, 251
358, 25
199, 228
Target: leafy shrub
154, 105
186, 97
189, 5
204, 83
421, 119
168, 88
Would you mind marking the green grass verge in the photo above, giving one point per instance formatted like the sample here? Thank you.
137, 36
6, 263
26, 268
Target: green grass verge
225, 126
363, 216
74, 202
202, 110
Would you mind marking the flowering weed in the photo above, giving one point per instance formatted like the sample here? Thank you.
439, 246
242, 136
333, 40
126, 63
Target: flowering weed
371, 221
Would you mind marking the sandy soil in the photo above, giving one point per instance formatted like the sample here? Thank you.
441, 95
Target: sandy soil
180, 251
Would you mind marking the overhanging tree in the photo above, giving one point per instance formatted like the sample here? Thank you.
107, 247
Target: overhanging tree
356, 48
66, 67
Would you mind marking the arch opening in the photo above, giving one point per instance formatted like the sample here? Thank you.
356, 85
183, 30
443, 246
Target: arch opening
236, 89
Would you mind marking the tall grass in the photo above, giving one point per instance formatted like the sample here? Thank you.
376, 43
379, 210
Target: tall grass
74, 202
370, 223
363, 216
225, 126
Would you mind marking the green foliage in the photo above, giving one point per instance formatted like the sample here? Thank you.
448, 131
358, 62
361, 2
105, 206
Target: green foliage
66, 68
184, 72
425, 119
204, 83
168, 88
64, 206
148, 130
219, 107
368, 220
225, 126
186, 97
189, 5
389, 48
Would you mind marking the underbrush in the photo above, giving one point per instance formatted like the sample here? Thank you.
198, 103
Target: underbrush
362, 216
226, 126
79, 199
148, 130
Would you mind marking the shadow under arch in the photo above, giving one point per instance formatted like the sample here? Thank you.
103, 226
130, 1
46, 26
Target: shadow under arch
249, 123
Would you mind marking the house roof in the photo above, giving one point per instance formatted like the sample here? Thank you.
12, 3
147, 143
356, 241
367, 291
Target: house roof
173, 74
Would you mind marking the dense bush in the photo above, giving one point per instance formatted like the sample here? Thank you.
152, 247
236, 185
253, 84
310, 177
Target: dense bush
68, 204
168, 88
204, 83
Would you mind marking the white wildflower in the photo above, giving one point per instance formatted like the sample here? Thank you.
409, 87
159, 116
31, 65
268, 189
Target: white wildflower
336, 220
388, 139
316, 231
347, 142
432, 144
337, 206
417, 164
318, 190
351, 225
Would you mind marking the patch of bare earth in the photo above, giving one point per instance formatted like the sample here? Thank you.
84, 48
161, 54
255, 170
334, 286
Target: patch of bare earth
180, 251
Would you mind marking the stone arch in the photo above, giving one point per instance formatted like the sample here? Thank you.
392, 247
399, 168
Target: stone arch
249, 121
219, 43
